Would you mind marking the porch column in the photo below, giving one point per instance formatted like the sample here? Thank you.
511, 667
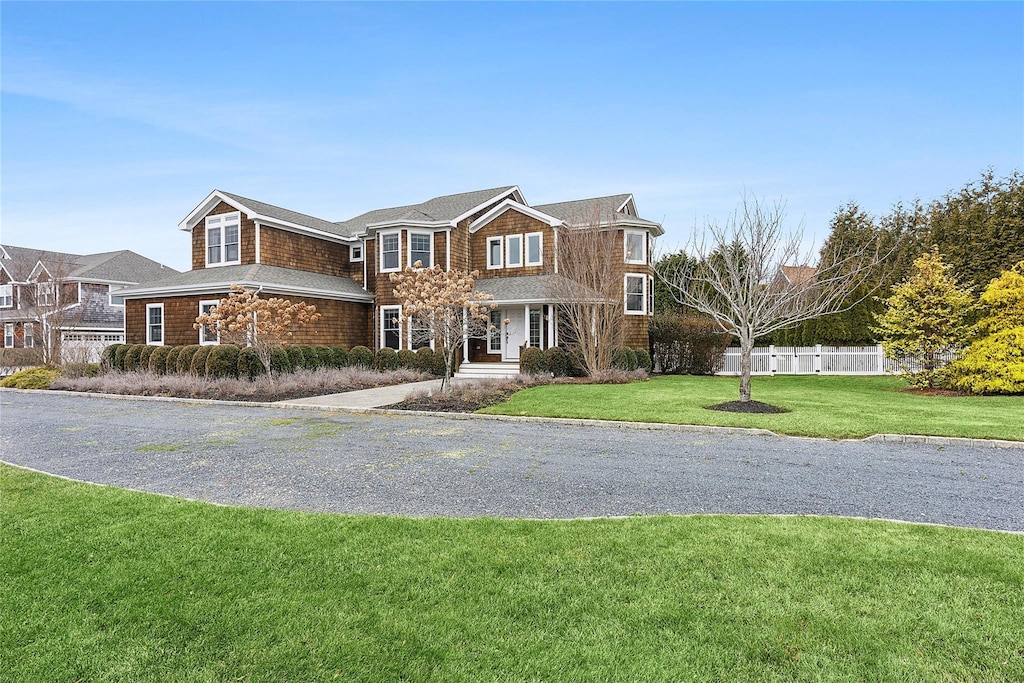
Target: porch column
551, 325
526, 318
465, 335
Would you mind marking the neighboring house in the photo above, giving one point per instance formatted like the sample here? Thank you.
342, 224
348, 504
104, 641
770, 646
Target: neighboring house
67, 304
342, 267
794, 275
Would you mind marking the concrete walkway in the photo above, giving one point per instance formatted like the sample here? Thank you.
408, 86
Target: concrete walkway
371, 398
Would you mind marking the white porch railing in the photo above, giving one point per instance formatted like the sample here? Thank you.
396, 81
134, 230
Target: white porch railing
815, 360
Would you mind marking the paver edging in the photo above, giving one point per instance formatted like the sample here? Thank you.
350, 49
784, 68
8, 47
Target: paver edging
580, 422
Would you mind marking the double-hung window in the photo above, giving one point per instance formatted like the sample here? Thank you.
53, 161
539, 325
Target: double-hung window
222, 239
208, 333
636, 293
391, 327
635, 246
494, 252
155, 324
514, 251
44, 293
534, 249
390, 251
6, 296
30, 335
421, 248
9, 335
419, 332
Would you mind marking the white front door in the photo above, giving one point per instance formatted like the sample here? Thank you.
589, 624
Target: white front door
513, 335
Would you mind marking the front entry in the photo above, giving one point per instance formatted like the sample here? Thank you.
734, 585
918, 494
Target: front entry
513, 335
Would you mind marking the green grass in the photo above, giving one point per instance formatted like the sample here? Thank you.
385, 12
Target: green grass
105, 584
832, 407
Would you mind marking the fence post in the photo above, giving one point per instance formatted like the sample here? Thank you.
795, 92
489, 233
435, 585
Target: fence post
817, 359
773, 362
880, 355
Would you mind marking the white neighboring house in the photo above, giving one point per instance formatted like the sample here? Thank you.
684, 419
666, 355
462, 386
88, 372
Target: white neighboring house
67, 304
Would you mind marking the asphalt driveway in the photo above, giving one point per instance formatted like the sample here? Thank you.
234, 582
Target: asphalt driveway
425, 466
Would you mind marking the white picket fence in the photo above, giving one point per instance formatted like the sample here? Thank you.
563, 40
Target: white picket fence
815, 360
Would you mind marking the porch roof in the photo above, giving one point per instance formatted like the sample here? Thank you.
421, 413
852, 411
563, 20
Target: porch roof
532, 289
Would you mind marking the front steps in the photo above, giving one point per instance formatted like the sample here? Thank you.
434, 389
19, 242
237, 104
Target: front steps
487, 370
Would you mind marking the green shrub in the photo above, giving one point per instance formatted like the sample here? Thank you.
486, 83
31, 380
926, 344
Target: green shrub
624, 358
577, 365
992, 365
310, 358
557, 361
643, 359
171, 364
408, 359
107, 357
222, 361
339, 357
281, 361
158, 359
198, 366
361, 357
425, 359
146, 354
296, 357
686, 345
119, 354
387, 359
438, 363
249, 366
325, 354
33, 378
132, 356
184, 364
532, 361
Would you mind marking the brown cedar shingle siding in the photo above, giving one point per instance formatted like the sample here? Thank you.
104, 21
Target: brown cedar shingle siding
343, 323
302, 252
512, 223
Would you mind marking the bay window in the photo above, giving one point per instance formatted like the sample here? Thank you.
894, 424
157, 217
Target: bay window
636, 293
635, 246
421, 248
390, 245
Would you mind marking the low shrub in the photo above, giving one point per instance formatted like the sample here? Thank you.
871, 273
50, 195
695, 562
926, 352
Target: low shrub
249, 365
310, 357
81, 370
339, 357
33, 378
198, 366
131, 358
992, 365
617, 376
107, 357
184, 364
171, 364
577, 365
296, 356
425, 359
281, 361
624, 358
408, 359
532, 361
360, 357
222, 361
437, 367
386, 359
158, 359
686, 345
146, 354
119, 354
557, 361
643, 360
325, 354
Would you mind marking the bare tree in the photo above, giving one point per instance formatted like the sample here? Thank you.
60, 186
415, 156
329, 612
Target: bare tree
444, 307
736, 277
589, 292
50, 301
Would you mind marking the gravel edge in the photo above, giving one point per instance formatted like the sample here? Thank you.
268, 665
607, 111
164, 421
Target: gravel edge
659, 426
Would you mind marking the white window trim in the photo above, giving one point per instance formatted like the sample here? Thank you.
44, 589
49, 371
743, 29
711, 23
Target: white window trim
149, 340
351, 252
625, 246
28, 334
408, 247
501, 252
222, 218
650, 295
540, 249
203, 341
48, 288
508, 250
625, 294
10, 295
380, 250
388, 308
110, 296
490, 335
8, 335
409, 338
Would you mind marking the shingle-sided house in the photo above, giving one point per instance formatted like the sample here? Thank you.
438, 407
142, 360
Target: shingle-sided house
342, 267
73, 296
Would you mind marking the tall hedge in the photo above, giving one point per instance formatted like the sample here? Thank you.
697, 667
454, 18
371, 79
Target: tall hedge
107, 357
687, 345
131, 358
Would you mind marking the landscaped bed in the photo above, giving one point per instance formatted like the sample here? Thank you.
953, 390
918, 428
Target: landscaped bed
824, 406
106, 584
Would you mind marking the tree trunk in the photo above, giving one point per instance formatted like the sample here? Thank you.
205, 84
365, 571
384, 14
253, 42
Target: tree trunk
746, 347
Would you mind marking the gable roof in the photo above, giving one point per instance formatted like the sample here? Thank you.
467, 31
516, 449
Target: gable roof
122, 266
798, 274
608, 210
261, 211
449, 209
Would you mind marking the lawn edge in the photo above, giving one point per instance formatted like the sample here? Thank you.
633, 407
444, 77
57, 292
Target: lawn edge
568, 421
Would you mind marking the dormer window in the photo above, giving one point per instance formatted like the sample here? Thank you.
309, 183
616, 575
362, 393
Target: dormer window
635, 246
222, 239
355, 252
44, 293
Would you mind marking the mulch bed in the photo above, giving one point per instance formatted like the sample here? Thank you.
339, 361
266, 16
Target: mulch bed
746, 407
452, 404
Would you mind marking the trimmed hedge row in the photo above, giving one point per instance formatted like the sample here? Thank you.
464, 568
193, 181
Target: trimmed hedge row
564, 362
226, 360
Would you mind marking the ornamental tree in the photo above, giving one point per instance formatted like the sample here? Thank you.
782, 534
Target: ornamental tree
444, 308
926, 317
247, 319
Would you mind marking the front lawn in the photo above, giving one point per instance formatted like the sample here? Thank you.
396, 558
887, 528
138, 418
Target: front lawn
104, 584
826, 406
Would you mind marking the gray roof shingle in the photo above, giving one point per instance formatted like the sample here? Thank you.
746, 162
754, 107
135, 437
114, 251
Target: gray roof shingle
111, 266
444, 208
529, 288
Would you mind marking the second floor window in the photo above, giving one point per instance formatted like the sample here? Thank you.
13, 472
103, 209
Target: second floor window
6, 296
534, 247
494, 252
420, 249
389, 251
355, 252
44, 293
222, 238
635, 246
514, 251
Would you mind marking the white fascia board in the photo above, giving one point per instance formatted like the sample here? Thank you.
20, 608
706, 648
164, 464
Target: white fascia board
35, 271
292, 227
514, 190
511, 204
638, 224
629, 200
204, 207
5, 254
225, 287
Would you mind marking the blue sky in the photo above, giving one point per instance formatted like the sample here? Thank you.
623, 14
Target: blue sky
117, 119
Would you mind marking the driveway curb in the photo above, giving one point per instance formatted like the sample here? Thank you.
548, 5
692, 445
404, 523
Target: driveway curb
650, 426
